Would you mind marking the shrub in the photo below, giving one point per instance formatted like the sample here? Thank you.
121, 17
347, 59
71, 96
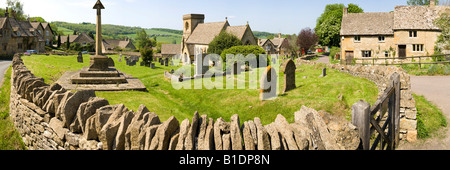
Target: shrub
245, 51
147, 55
223, 41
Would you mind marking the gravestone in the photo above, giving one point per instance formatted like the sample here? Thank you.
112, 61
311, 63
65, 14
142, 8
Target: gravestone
80, 57
142, 63
132, 62
152, 65
289, 75
236, 69
161, 62
166, 62
172, 71
171, 62
268, 84
111, 62
120, 59
324, 72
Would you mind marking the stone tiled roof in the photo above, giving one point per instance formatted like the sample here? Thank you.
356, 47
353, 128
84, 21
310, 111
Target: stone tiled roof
204, 33
367, 24
171, 49
238, 31
417, 17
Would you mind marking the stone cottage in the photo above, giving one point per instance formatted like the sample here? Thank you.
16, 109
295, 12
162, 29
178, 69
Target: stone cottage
20, 36
407, 31
197, 35
81, 38
109, 45
277, 45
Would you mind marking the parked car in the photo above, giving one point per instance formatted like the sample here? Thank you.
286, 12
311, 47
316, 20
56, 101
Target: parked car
28, 54
32, 51
84, 52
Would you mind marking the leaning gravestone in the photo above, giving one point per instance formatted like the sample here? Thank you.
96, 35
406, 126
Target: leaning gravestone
268, 84
80, 57
289, 75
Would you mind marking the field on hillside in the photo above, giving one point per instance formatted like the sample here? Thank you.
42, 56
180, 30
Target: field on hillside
334, 93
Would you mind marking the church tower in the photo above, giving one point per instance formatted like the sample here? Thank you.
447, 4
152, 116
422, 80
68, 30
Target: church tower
190, 22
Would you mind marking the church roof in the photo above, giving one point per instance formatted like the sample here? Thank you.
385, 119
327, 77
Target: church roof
204, 33
238, 31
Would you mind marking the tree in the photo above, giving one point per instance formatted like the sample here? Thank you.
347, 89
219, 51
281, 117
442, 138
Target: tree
307, 39
147, 55
17, 7
143, 40
223, 41
292, 47
59, 41
328, 26
68, 43
420, 2
443, 41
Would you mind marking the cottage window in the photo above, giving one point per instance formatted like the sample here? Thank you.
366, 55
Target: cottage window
47, 33
366, 53
417, 47
412, 33
357, 38
381, 38
386, 53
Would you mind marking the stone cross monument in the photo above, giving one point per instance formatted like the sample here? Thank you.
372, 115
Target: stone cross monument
98, 62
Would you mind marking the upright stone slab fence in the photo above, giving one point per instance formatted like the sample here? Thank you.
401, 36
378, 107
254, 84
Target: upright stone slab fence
49, 117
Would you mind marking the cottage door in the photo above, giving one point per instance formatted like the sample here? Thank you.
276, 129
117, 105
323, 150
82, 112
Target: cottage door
349, 57
402, 51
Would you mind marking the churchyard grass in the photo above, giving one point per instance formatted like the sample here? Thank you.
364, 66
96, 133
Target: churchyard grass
334, 93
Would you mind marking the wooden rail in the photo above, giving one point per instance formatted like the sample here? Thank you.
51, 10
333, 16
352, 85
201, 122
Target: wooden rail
363, 117
437, 60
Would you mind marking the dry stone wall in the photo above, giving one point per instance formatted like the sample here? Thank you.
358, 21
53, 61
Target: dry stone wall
49, 117
380, 75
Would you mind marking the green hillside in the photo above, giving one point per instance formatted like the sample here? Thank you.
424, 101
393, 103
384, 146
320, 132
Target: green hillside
122, 32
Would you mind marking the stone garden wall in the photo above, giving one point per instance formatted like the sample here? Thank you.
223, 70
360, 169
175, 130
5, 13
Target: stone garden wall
50, 117
380, 75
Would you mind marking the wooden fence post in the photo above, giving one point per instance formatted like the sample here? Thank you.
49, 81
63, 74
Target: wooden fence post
396, 117
361, 119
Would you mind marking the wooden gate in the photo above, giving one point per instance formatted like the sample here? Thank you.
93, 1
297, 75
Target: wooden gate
363, 117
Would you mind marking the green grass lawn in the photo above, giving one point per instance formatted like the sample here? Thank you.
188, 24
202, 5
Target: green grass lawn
429, 117
163, 99
9, 138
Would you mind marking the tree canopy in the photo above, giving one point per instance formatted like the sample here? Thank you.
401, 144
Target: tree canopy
443, 41
223, 41
328, 26
307, 39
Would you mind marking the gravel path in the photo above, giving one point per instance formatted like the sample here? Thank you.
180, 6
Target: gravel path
4, 65
323, 59
437, 90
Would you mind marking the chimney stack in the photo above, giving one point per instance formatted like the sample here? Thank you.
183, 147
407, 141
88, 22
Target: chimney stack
279, 35
345, 11
432, 2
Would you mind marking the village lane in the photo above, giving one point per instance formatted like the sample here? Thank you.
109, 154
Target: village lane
435, 89
4, 65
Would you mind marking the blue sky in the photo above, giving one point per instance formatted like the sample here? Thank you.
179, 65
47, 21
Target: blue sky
285, 16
